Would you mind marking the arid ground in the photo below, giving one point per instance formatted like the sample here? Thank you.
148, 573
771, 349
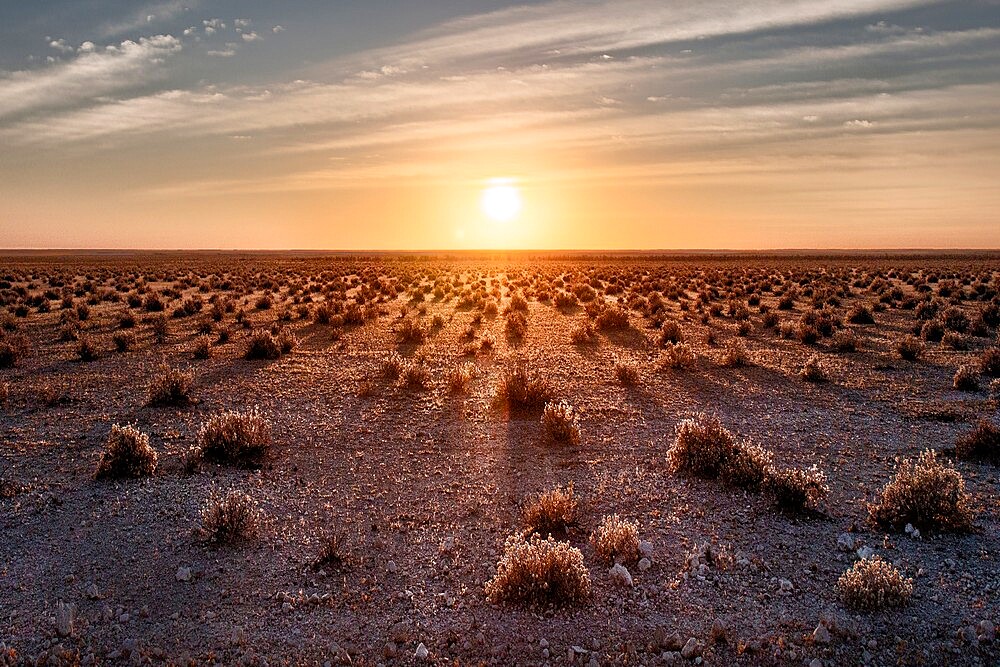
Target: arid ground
387, 437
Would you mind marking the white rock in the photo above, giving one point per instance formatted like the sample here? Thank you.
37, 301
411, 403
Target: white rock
785, 585
391, 566
421, 652
620, 575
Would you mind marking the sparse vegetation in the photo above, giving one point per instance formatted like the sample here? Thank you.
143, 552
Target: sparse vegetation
553, 512
561, 423
980, 444
539, 571
170, 386
127, 454
232, 517
872, 584
616, 540
927, 493
521, 388
241, 438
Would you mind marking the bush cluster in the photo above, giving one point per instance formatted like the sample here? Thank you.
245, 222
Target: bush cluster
927, 493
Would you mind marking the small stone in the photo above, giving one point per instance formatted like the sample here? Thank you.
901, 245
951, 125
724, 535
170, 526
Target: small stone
400, 632
391, 566
691, 650
183, 574
65, 615
646, 549
238, 635
785, 585
821, 635
286, 606
644, 564
815, 662
621, 576
987, 632
719, 630
865, 552
543, 643
421, 653
390, 650
846, 542
92, 592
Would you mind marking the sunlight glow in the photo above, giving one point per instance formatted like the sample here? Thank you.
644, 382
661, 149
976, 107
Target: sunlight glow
501, 200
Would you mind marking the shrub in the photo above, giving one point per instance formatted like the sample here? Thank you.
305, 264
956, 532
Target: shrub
616, 540
415, 376
242, 438
410, 331
286, 341
333, 551
583, 334
736, 354
235, 516
844, 341
202, 348
459, 377
124, 340
989, 363
392, 366
677, 356
127, 454
701, 445
981, 444
627, 373
516, 326
671, 332
813, 371
932, 331
263, 345
9, 354
522, 389
553, 512
614, 318
796, 489
860, 314
747, 466
170, 386
161, 328
966, 378
873, 584
926, 493
86, 349
540, 572
955, 341
561, 423
910, 349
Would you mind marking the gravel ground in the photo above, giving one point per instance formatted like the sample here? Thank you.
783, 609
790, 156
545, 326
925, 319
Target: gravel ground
426, 485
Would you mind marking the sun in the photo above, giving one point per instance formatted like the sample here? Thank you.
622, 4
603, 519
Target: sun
501, 200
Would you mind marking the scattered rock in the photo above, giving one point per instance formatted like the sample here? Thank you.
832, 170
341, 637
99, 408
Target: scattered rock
238, 635
720, 631
692, 649
846, 542
785, 585
391, 566
821, 635
400, 632
646, 549
65, 615
621, 576
644, 564
987, 632
183, 574
421, 653
93, 593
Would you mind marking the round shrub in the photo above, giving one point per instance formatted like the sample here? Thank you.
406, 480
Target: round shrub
127, 454
541, 572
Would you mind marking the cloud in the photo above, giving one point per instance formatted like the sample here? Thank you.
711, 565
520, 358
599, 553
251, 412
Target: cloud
60, 45
278, 28
251, 37
90, 75
147, 15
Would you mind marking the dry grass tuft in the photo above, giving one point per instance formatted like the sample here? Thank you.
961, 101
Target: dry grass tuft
798, 490
813, 371
127, 454
927, 493
170, 386
231, 518
677, 356
910, 348
553, 512
701, 445
241, 438
539, 572
981, 444
627, 373
616, 540
521, 388
873, 584
747, 466
561, 423
262, 345
736, 354
459, 377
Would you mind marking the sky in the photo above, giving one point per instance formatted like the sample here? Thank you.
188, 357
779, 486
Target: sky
618, 124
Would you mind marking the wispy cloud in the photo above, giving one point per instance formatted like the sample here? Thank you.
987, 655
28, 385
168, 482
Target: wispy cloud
148, 16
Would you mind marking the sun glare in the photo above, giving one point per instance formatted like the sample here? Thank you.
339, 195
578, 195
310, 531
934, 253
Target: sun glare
501, 200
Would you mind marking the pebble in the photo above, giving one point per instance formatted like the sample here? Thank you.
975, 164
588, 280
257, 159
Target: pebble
391, 566
846, 542
821, 635
92, 592
785, 585
987, 631
816, 662
183, 574
691, 650
646, 549
644, 564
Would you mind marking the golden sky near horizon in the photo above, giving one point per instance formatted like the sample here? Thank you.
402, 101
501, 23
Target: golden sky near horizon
562, 124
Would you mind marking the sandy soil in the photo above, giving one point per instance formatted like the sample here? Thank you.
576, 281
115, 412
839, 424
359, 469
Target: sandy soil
426, 485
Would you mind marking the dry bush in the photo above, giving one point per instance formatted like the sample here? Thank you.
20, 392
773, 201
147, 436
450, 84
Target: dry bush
627, 373
616, 540
860, 314
539, 572
747, 466
966, 378
927, 493
124, 340
333, 550
700, 448
170, 386
516, 326
989, 363
910, 348
411, 332
286, 341
459, 377
160, 326
677, 356
736, 354
127, 454
86, 348
671, 332
415, 376
561, 422
813, 371
873, 584
392, 366
614, 318
844, 341
262, 345
981, 444
521, 388
241, 438
202, 348
798, 490
552, 512
583, 334
230, 518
